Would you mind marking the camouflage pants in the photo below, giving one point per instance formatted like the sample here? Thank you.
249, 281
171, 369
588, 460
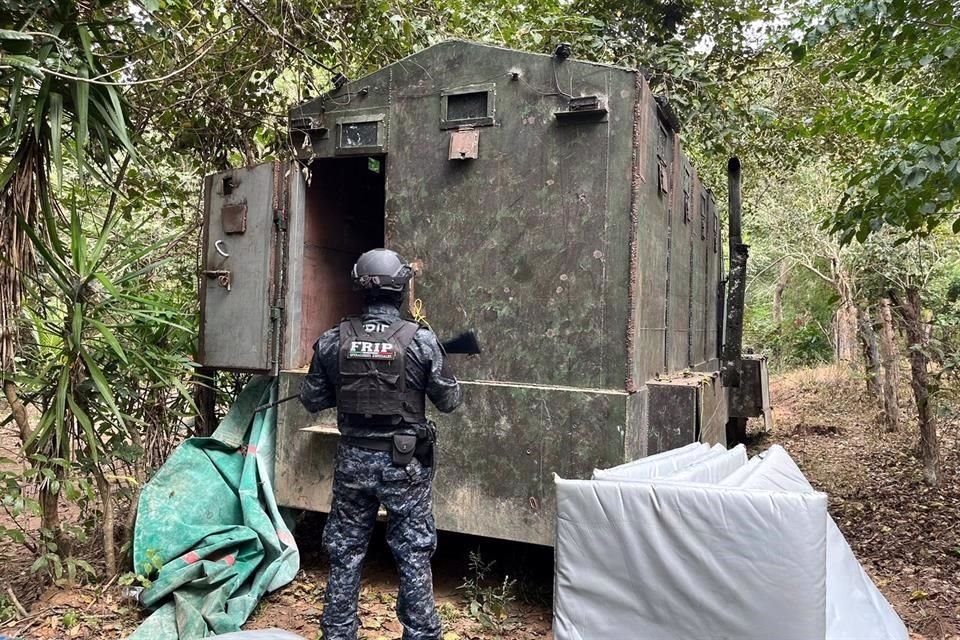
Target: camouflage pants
363, 480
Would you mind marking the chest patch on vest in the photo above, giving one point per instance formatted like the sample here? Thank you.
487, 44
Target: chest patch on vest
365, 350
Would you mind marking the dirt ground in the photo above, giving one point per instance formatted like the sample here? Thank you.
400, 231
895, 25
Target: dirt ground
906, 535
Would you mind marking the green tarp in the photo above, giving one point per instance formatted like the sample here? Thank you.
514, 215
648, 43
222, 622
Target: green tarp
210, 516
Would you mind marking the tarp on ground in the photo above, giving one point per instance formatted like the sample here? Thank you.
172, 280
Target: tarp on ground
210, 516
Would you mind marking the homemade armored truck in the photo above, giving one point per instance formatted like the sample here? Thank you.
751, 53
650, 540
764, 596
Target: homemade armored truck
546, 204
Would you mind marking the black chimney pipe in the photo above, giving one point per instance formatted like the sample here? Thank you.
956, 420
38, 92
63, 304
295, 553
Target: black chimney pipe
736, 281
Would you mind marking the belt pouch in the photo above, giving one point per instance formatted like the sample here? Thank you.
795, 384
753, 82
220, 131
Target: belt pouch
404, 447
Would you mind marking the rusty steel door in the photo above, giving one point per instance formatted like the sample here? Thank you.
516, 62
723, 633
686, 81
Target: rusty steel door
238, 282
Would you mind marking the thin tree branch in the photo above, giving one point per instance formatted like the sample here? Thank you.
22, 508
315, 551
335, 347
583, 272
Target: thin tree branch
131, 83
253, 14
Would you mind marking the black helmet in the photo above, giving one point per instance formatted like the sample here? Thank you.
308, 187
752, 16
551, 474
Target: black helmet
381, 269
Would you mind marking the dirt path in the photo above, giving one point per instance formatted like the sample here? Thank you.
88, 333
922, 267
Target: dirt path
906, 535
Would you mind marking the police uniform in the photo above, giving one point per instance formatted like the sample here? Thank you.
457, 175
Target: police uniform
378, 369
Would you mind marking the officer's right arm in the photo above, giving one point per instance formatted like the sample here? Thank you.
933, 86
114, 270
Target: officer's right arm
442, 387
319, 389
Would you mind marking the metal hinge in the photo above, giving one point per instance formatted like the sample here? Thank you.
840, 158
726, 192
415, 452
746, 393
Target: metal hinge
279, 219
276, 313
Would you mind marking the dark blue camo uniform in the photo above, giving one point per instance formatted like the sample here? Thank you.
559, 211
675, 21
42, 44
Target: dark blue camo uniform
365, 479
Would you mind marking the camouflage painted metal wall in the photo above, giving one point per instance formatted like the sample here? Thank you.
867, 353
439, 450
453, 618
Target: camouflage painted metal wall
497, 459
566, 246
676, 274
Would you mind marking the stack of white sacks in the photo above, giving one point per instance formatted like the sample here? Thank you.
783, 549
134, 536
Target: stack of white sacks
699, 543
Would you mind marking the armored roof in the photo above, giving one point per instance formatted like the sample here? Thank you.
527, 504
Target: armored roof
479, 47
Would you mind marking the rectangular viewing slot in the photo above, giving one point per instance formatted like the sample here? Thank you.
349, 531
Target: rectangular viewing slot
467, 106
360, 135
464, 106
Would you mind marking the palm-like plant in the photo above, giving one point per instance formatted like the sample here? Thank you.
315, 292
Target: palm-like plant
57, 89
58, 92
102, 350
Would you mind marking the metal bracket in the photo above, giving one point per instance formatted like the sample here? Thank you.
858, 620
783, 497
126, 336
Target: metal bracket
222, 276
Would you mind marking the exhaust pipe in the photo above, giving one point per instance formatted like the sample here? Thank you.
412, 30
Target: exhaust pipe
736, 281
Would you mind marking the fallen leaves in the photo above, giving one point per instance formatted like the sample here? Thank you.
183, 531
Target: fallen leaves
906, 534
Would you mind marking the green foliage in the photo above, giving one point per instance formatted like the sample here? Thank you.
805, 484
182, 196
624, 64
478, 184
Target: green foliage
100, 337
8, 610
70, 619
62, 569
487, 601
803, 338
143, 578
59, 86
899, 103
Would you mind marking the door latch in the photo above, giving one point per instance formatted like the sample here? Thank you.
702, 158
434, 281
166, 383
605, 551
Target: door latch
222, 276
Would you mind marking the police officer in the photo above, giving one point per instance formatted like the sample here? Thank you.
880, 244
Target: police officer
377, 369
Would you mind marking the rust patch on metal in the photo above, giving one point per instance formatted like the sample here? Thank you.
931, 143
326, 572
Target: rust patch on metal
636, 182
464, 144
233, 218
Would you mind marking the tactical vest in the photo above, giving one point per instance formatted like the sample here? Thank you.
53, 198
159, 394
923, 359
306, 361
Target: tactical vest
373, 380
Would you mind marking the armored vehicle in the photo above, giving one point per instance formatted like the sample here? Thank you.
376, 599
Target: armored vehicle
546, 203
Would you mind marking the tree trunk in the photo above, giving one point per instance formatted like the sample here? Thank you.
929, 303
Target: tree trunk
130, 520
50, 517
845, 333
49, 499
871, 354
778, 290
910, 307
106, 499
17, 409
129, 526
891, 368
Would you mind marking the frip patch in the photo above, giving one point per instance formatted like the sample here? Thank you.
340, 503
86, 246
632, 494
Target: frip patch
367, 350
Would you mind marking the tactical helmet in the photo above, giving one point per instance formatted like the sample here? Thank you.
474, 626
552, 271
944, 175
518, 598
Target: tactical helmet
381, 269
